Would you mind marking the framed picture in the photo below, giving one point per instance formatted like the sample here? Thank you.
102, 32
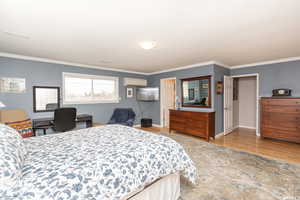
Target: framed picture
129, 92
12, 85
219, 87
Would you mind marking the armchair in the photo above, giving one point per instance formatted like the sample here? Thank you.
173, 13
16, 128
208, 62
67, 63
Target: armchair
124, 116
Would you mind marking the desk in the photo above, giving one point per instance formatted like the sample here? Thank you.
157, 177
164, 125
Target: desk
46, 123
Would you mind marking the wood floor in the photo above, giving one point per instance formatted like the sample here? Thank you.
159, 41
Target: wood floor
246, 140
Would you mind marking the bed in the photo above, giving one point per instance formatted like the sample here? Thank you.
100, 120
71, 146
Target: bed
107, 162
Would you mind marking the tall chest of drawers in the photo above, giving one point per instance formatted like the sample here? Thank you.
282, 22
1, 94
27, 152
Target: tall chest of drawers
280, 118
200, 124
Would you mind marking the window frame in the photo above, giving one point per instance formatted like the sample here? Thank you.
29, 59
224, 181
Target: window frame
88, 76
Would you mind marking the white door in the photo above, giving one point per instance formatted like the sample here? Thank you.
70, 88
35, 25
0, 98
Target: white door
168, 88
228, 104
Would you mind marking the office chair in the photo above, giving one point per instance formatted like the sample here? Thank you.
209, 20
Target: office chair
51, 106
64, 119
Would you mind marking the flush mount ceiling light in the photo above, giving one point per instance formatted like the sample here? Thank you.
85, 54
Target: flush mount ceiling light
148, 44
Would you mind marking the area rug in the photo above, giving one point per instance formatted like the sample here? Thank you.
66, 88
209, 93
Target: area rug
227, 174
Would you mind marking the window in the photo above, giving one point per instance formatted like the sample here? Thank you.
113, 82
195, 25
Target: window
82, 88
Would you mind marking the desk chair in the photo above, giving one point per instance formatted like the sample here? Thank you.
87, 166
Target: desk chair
64, 119
51, 106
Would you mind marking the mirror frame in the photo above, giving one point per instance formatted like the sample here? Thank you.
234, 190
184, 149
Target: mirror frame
209, 91
46, 87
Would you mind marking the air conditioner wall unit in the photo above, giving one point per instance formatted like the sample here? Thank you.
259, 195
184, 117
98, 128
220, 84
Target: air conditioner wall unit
135, 82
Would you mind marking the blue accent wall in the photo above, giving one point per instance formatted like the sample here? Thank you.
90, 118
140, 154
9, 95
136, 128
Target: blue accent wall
217, 74
154, 81
280, 75
48, 74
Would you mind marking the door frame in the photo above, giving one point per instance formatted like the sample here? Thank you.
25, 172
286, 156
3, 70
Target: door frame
225, 132
257, 100
161, 107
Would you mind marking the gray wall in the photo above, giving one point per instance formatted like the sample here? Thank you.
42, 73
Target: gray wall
217, 74
280, 75
154, 81
47, 74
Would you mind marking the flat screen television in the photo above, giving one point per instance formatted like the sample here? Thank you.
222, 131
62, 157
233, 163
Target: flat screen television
147, 94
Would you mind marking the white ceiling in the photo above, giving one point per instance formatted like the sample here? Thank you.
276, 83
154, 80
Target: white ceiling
106, 33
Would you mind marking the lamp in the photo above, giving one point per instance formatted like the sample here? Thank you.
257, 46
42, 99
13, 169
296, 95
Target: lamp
2, 105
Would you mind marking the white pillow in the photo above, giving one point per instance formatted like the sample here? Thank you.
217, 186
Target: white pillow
8, 132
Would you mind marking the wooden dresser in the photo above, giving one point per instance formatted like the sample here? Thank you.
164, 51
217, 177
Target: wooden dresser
280, 118
201, 124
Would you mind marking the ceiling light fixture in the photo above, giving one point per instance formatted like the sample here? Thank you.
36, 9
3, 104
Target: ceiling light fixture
148, 44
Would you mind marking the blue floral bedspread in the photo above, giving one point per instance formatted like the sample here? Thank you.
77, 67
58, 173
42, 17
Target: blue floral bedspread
106, 162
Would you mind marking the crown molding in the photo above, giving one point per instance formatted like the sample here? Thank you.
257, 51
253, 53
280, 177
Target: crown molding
46, 60
203, 64
266, 62
222, 64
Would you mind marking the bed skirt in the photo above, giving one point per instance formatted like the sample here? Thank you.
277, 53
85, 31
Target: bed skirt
166, 188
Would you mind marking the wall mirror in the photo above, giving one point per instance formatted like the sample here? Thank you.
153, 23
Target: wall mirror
45, 99
196, 92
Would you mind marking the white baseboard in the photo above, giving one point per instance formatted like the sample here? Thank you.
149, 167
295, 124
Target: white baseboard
219, 134
248, 127
157, 125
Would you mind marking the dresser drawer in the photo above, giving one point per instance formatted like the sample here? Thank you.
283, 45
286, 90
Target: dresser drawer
177, 119
199, 123
284, 121
282, 109
281, 102
180, 114
196, 131
282, 126
281, 117
293, 136
180, 127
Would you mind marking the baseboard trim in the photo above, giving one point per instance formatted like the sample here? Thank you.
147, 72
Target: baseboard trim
248, 127
219, 135
156, 125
